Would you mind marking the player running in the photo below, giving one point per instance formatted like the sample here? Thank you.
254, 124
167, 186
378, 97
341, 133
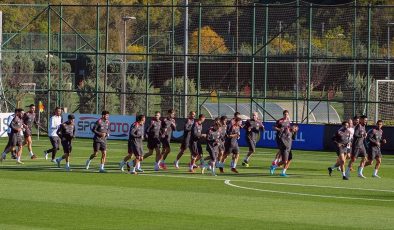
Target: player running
222, 138
229, 124
284, 140
348, 147
213, 141
17, 134
66, 133
358, 147
101, 133
136, 135
54, 122
8, 147
195, 142
342, 140
153, 136
231, 144
374, 141
29, 118
253, 127
186, 137
167, 127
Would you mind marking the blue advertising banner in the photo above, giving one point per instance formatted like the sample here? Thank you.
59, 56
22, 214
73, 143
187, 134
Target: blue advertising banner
309, 137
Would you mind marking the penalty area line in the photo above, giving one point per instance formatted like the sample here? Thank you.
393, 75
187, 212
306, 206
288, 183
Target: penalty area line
228, 182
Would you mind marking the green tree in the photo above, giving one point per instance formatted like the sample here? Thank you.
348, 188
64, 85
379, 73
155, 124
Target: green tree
136, 99
166, 101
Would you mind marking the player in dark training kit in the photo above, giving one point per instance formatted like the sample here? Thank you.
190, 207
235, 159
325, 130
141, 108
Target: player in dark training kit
374, 141
153, 136
66, 133
136, 135
29, 118
253, 127
186, 137
231, 144
101, 133
167, 127
195, 142
17, 134
284, 139
222, 138
358, 146
8, 147
342, 139
213, 141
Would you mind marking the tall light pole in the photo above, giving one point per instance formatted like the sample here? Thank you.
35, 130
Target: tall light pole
388, 49
123, 96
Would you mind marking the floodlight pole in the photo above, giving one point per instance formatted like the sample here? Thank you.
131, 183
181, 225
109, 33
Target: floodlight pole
124, 82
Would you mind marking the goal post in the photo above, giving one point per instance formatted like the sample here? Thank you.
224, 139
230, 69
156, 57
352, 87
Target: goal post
384, 100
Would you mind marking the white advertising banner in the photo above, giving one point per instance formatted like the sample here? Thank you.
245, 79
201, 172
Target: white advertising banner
4, 124
119, 125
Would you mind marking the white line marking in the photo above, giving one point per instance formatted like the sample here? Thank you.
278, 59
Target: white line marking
267, 182
227, 182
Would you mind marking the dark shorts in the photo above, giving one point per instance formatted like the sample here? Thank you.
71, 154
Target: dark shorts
185, 143
290, 156
230, 148
374, 152
67, 147
99, 145
252, 144
213, 152
284, 150
341, 150
359, 152
195, 148
134, 149
153, 143
165, 142
55, 142
349, 150
16, 139
27, 133
221, 146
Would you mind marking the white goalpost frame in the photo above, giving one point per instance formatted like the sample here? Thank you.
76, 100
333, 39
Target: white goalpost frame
377, 96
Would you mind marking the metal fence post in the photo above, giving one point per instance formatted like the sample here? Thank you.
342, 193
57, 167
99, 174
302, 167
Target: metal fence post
354, 57
265, 59
106, 55
199, 59
298, 62
147, 61
49, 65
253, 55
59, 95
309, 63
368, 61
97, 56
173, 53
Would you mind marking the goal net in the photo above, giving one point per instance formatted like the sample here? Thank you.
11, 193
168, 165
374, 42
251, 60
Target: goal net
384, 95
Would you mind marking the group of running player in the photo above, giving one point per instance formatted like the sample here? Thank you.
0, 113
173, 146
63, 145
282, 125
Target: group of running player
353, 141
221, 141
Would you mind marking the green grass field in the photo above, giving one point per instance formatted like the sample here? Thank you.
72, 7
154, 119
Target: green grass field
38, 195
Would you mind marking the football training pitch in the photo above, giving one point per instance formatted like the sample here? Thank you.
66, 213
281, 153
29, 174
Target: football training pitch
38, 195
